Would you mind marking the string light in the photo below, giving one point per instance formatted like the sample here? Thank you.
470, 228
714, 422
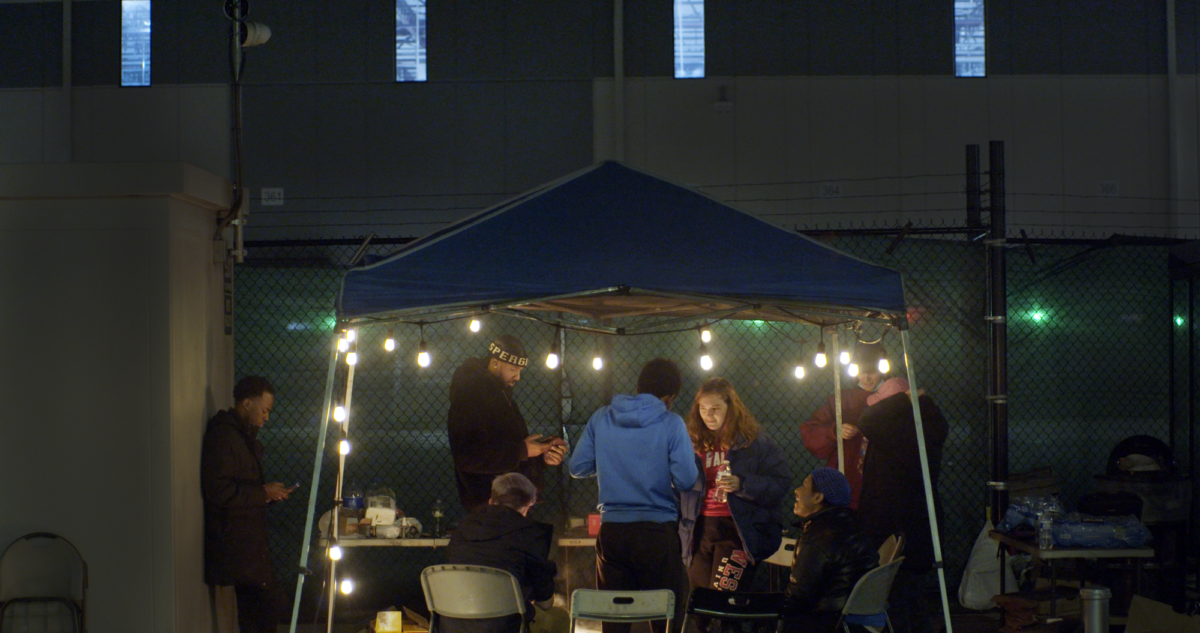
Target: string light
820, 360
339, 413
475, 325
351, 334
343, 345
423, 358
799, 372
552, 359
852, 370
389, 343
597, 362
706, 362
335, 553
884, 366
347, 586
352, 358
344, 447
705, 334
844, 357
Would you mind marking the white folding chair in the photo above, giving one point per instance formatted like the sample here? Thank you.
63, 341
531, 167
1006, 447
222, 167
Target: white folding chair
781, 558
622, 606
867, 604
471, 592
891, 548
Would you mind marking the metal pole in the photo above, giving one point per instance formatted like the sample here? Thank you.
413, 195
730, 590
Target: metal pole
974, 204
337, 494
998, 326
902, 325
837, 402
314, 482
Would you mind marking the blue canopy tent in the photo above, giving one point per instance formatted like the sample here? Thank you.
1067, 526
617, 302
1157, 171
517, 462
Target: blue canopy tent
615, 250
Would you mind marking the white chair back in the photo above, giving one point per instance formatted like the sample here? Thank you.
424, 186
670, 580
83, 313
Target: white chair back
870, 593
471, 592
622, 606
784, 555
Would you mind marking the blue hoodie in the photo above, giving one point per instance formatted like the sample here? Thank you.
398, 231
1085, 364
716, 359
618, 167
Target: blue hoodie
640, 454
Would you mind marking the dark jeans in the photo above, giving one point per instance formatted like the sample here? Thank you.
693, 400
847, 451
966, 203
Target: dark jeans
641, 555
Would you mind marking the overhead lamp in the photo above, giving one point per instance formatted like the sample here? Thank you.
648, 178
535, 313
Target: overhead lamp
474, 325
597, 362
884, 366
253, 34
344, 447
347, 586
351, 334
423, 358
799, 372
389, 343
852, 370
706, 362
844, 357
705, 334
335, 553
339, 414
352, 358
343, 345
820, 360
552, 359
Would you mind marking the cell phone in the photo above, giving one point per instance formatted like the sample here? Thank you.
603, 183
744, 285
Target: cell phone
294, 485
546, 439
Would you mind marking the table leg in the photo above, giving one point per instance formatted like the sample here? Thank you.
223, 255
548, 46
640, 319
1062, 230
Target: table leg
1053, 587
1003, 562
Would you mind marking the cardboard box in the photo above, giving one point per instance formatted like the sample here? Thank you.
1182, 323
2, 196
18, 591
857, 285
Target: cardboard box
403, 621
1148, 616
593, 524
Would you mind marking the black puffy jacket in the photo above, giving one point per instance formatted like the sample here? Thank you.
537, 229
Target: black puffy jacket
500, 537
832, 553
235, 504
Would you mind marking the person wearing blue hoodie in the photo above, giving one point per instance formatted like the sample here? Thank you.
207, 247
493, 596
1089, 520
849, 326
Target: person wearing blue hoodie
641, 455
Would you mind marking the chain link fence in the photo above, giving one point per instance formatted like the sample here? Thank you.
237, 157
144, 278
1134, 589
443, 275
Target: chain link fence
1089, 357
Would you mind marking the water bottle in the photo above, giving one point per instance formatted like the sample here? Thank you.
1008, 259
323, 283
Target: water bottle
1045, 531
719, 495
352, 498
438, 512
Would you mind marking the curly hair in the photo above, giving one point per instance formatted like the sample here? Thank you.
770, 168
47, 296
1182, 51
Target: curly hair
740, 426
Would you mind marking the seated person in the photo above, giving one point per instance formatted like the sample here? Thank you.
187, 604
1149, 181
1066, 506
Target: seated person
832, 553
500, 535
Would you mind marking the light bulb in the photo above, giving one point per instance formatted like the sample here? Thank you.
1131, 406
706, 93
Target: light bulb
343, 345
350, 335
339, 413
884, 366
552, 360
335, 553
799, 372
597, 363
820, 360
389, 343
423, 358
352, 358
347, 586
705, 335
344, 447
475, 325
844, 357
706, 362
852, 370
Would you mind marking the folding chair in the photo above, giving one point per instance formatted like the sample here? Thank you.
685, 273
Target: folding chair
729, 605
891, 548
43, 585
867, 604
781, 558
622, 606
471, 592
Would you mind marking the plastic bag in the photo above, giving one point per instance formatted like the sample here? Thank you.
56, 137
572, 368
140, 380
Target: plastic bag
981, 579
1081, 530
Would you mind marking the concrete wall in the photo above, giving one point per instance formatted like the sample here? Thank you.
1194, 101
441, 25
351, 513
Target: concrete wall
116, 358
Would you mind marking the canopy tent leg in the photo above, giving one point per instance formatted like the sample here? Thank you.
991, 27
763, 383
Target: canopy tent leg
312, 489
837, 402
902, 325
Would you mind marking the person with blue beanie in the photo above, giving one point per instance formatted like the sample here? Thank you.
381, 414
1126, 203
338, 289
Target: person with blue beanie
641, 455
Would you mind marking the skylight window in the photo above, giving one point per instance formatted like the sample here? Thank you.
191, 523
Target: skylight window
135, 42
689, 39
410, 40
970, 52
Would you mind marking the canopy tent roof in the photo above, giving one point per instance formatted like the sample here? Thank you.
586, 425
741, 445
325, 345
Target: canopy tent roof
611, 242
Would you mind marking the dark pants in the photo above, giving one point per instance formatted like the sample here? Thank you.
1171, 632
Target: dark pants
720, 562
910, 601
641, 555
259, 607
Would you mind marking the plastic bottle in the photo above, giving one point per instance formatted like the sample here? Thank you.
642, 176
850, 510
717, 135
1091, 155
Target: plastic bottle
352, 498
438, 513
719, 495
1045, 531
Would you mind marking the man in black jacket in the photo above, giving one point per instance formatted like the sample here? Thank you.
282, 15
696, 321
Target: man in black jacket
500, 535
832, 553
488, 436
235, 509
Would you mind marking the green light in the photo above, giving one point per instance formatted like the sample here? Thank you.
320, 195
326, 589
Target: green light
1179, 321
330, 322
757, 323
1037, 316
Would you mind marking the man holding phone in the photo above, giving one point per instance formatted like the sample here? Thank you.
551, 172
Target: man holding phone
236, 561
488, 436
